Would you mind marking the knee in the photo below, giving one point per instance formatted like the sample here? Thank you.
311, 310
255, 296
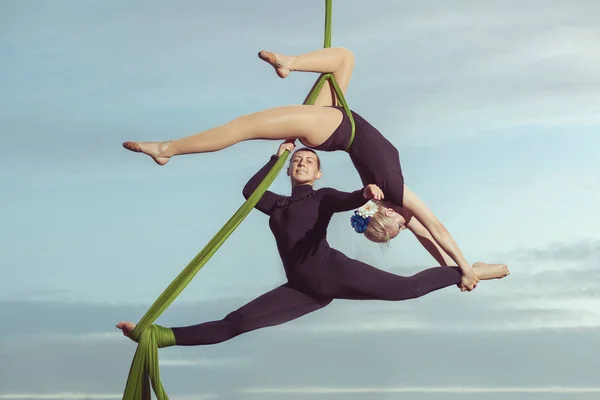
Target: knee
348, 56
234, 324
234, 316
408, 289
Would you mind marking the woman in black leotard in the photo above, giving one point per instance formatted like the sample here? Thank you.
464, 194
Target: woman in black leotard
316, 273
325, 126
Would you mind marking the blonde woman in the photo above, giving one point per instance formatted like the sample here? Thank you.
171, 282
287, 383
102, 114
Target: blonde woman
325, 126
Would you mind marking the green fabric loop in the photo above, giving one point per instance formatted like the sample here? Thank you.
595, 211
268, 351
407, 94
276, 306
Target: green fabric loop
164, 336
144, 370
344, 104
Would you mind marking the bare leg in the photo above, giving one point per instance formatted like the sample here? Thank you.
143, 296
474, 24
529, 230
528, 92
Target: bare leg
312, 125
335, 60
483, 271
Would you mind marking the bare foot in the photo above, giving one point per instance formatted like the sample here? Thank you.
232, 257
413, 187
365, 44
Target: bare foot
153, 149
280, 62
486, 271
126, 327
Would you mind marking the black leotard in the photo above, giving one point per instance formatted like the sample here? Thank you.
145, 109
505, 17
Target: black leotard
374, 157
316, 273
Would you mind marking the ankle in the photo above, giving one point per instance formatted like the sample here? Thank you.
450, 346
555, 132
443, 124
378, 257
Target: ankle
283, 60
290, 63
165, 149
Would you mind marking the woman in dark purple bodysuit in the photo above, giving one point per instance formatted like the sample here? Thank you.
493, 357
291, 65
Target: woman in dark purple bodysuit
325, 126
316, 273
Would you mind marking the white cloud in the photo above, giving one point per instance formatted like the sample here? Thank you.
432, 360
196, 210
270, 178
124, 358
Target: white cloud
484, 69
59, 396
83, 337
194, 396
87, 396
449, 389
579, 319
581, 305
579, 251
201, 362
35, 293
317, 390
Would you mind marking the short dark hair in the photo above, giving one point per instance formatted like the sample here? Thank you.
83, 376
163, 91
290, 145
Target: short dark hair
310, 151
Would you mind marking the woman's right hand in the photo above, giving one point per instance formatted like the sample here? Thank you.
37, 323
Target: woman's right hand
468, 281
288, 145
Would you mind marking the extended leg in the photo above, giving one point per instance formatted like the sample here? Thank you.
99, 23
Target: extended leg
276, 307
345, 278
312, 125
335, 60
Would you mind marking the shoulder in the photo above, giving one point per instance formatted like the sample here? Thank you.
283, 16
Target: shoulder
330, 194
326, 191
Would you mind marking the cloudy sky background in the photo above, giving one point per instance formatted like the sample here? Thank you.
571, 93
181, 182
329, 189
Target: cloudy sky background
494, 106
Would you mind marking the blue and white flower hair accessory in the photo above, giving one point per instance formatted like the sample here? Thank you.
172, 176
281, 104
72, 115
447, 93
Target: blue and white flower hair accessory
368, 210
362, 216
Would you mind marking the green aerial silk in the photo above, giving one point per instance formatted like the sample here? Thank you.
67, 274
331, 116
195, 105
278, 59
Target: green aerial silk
144, 368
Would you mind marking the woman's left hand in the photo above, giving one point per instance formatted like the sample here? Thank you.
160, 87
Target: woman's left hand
288, 145
126, 327
373, 192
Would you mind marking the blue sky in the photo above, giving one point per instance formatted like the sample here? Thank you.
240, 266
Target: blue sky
495, 114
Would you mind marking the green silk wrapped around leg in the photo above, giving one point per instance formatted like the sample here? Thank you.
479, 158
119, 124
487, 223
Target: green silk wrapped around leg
144, 370
145, 361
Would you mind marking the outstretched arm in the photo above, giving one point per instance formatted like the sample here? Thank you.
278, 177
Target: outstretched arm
344, 201
268, 199
440, 234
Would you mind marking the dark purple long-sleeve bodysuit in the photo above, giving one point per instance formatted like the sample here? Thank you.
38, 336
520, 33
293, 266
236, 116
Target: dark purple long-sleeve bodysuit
375, 158
316, 273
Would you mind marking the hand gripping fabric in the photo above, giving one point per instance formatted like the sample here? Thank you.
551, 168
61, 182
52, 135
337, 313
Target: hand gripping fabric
144, 370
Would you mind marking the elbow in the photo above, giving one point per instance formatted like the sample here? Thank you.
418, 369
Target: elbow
247, 192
